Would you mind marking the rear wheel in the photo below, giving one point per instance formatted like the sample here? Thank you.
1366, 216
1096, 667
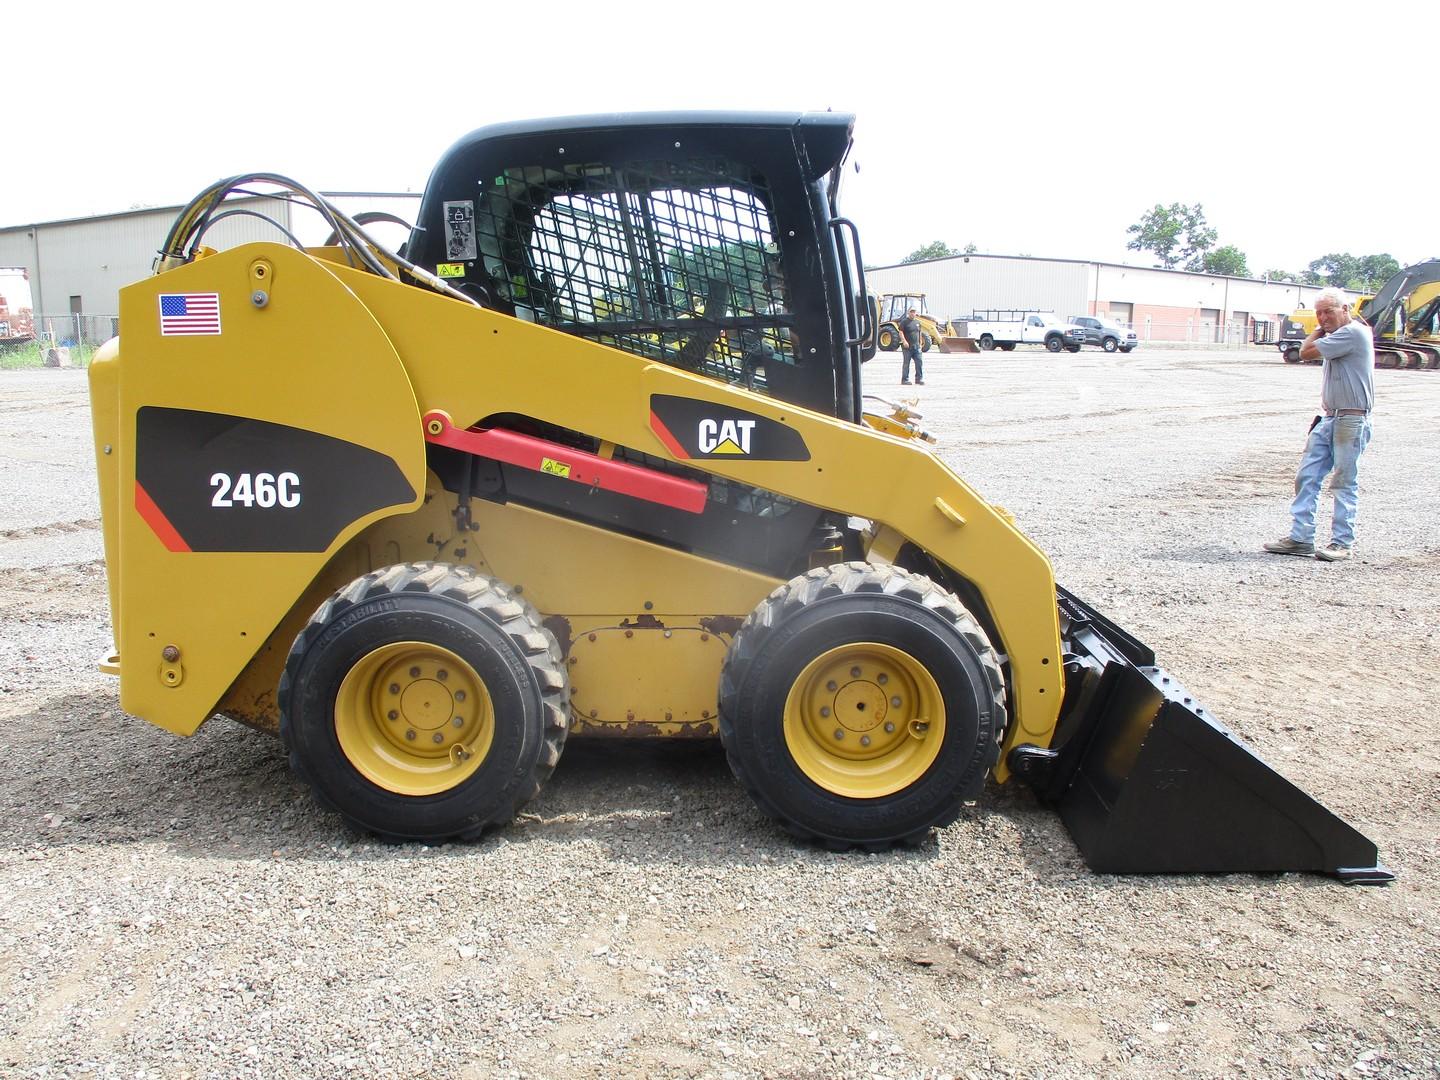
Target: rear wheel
1053, 343
1292, 355
424, 702
987, 342
1110, 344
1007, 346
861, 705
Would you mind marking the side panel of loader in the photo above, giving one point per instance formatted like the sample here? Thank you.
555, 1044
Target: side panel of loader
244, 453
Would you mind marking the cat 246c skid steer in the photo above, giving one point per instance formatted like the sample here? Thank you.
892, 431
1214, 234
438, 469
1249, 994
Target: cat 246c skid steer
589, 456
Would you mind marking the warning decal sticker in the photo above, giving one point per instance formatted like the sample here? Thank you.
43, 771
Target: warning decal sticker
460, 230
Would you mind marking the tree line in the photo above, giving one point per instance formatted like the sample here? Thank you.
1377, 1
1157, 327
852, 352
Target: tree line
1179, 237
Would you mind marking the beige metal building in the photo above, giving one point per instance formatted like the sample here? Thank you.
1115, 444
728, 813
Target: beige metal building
1161, 305
78, 266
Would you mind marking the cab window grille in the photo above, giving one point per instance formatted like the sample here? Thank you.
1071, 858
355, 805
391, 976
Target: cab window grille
674, 261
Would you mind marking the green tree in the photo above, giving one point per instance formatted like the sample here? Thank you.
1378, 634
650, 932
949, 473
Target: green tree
1359, 273
1281, 275
936, 249
1228, 260
1174, 234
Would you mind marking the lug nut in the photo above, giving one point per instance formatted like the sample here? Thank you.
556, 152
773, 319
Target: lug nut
459, 695
889, 725
442, 674
414, 672
459, 721
854, 672
393, 715
410, 734
839, 733
882, 679
824, 710
394, 688
437, 738
864, 740
832, 686
895, 701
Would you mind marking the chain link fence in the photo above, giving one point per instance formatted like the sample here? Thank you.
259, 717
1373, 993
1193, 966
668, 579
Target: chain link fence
71, 329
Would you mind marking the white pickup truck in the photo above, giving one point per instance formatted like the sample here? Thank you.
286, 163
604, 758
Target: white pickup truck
1026, 328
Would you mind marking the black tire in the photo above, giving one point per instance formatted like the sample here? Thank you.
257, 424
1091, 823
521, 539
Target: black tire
768, 715
1292, 355
888, 339
925, 342
1110, 344
514, 715
987, 342
1127, 348
1072, 348
1054, 343
1007, 346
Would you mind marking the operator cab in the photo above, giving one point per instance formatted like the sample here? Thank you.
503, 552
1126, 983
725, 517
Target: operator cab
707, 241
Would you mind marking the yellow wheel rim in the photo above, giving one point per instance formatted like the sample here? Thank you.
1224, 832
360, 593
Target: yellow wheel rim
864, 720
414, 718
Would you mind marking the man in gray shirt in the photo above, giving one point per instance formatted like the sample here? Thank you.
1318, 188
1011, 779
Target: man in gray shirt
1340, 435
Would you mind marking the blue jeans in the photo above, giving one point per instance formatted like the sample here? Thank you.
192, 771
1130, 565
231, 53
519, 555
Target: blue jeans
1335, 443
911, 352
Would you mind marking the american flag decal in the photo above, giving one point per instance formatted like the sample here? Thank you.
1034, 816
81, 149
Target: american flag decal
189, 313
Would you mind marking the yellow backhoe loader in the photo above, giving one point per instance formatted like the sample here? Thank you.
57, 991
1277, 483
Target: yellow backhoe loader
590, 457
934, 331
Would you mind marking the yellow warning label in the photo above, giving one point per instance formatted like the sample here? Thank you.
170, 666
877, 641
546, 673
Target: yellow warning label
450, 269
553, 467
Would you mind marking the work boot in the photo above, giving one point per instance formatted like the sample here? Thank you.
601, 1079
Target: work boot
1288, 546
904, 382
919, 382
1333, 553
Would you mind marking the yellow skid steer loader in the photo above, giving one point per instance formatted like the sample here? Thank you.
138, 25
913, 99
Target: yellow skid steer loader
589, 456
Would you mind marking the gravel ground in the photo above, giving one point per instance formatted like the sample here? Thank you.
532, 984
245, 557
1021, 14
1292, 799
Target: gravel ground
180, 907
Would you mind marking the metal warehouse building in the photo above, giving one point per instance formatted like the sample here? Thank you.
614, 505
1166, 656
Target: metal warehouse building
78, 266
1161, 305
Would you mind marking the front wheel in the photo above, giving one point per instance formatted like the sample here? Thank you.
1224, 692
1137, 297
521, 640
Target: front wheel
987, 342
1292, 355
424, 701
1110, 344
887, 340
925, 342
1072, 348
861, 705
1054, 344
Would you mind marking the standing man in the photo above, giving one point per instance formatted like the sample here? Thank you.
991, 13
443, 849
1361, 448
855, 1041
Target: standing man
910, 348
1337, 438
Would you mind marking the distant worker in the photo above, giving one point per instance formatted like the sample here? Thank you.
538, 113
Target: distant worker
910, 348
1340, 435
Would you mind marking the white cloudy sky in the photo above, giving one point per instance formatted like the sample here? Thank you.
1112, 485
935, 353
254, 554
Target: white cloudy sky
1024, 128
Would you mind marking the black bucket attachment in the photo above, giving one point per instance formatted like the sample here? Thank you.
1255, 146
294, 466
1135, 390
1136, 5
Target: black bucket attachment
1148, 782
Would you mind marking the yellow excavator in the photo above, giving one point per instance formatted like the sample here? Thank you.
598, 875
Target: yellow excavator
591, 458
1403, 315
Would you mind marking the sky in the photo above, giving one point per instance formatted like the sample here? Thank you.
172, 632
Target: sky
1025, 129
